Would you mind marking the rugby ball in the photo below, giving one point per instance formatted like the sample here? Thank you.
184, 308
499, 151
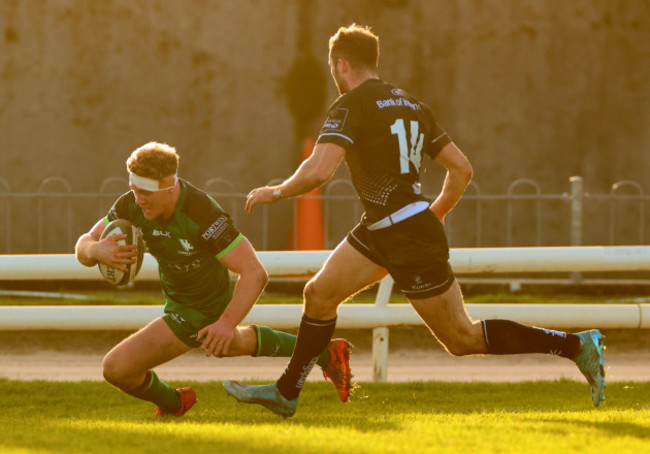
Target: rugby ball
133, 236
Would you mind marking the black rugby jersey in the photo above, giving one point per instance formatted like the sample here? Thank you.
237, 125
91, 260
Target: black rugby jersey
384, 132
188, 248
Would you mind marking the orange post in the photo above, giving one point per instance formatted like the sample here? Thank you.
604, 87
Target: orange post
310, 231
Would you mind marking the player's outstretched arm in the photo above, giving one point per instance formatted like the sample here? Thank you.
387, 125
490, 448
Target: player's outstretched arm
312, 173
459, 174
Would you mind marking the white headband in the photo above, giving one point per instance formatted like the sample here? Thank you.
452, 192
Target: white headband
149, 184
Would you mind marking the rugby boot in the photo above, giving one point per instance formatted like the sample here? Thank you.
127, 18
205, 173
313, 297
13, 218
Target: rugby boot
591, 363
265, 395
188, 399
338, 369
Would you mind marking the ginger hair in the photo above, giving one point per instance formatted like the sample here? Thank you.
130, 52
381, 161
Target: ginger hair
153, 160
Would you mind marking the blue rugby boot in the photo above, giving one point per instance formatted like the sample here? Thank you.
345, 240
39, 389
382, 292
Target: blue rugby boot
591, 364
265, 395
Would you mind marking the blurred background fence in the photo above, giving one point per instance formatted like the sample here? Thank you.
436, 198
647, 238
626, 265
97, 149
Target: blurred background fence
50, 219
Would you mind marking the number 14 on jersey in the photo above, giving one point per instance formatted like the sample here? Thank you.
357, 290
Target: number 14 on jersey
409, 150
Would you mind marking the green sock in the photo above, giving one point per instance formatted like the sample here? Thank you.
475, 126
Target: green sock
278, 343
160, 393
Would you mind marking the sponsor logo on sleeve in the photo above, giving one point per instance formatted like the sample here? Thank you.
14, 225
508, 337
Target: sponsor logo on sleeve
336, 119
216, 228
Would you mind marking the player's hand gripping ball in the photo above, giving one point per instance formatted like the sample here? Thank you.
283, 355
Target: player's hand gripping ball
133, 236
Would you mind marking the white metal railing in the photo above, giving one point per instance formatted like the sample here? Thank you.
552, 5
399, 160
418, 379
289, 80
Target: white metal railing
283, 263
378, 316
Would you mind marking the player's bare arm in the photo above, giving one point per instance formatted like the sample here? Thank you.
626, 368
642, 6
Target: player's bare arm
312, 173
459, 174
243, 261
90, 250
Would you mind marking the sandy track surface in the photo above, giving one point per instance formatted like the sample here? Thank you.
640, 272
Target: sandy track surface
414, 356
403, 365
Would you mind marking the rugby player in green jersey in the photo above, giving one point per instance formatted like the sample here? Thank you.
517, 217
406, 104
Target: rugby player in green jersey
196, 245
382, 133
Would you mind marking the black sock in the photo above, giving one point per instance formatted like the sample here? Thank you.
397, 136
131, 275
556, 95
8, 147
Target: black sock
313, 336
505, 337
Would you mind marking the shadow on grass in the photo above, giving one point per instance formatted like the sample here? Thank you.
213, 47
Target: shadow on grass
562, 424
94, 417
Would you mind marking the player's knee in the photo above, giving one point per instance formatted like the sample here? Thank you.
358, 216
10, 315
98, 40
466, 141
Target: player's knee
311, 294
112, 371
109, 370
318, 303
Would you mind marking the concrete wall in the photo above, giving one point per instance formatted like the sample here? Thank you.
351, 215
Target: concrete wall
540, 89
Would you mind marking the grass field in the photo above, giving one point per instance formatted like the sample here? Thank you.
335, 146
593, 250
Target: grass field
92, 417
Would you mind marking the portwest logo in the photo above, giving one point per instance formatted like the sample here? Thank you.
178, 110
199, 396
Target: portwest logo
216, 228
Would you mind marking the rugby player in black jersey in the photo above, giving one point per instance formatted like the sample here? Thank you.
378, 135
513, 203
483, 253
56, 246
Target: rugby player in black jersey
382, 132
196, 245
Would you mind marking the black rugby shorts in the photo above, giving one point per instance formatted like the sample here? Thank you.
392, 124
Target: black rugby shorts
414, 251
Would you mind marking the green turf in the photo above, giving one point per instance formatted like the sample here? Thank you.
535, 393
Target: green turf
555, 417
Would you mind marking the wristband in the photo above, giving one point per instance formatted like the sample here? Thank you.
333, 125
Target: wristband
277, 193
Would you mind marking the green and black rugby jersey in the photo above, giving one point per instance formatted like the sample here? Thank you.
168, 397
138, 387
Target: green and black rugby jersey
188, 249
384, 131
